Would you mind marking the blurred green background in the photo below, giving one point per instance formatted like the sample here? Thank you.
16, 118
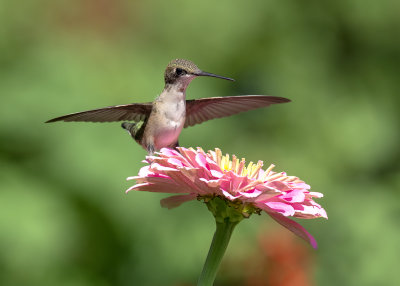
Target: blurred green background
64, 216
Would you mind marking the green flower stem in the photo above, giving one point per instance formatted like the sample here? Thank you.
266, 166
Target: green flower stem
219, 244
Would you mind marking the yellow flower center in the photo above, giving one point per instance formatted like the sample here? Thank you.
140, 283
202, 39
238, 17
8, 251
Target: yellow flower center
251, 170
235, 165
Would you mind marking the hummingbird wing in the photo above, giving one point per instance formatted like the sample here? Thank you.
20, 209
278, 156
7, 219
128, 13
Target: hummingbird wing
200, 110
130, 112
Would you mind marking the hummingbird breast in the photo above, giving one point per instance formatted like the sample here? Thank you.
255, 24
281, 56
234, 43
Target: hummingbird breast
166, 121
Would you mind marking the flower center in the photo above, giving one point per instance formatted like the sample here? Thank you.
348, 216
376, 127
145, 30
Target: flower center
235, 165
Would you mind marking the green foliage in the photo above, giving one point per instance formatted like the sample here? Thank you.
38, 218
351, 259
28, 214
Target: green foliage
65, 219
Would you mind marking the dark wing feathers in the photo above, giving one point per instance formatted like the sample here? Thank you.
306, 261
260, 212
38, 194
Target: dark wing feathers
197, 110
200, 110
129, 112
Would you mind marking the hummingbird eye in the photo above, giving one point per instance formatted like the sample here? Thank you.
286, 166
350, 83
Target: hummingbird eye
180, 71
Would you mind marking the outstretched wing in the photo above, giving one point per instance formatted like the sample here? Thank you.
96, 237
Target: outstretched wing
130, 112
200, 110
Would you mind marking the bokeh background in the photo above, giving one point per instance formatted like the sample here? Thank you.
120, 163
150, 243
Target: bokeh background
64, 216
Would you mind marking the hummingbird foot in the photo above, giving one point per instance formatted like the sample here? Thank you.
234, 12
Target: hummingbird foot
150, 149
176, 145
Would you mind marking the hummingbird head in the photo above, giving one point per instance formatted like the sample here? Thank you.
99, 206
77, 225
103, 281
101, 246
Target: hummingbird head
184, 71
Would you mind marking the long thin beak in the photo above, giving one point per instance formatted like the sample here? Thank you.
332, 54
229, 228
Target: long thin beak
202, 73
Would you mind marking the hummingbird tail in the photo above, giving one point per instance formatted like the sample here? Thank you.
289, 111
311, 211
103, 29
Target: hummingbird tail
127, 125
134, 129
130, 127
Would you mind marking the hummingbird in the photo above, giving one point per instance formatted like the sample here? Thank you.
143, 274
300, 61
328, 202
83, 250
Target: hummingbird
159, 123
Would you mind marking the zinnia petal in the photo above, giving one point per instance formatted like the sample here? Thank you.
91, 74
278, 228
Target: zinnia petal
294, 196
295, 228
279, 207
176, 201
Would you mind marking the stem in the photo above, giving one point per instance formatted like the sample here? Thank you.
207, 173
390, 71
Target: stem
218, 246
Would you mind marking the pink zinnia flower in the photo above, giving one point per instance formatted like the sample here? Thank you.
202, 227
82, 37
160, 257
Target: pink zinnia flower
198, 175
